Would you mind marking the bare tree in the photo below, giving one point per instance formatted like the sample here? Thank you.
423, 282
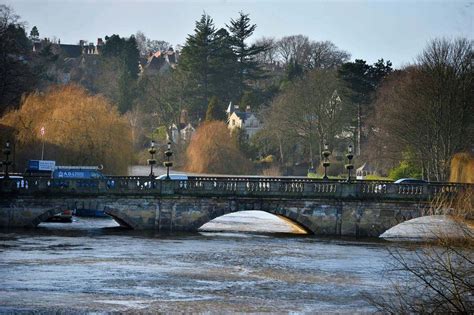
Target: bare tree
310, 110
141, 43
269, 55
214, 150
435, 277
294, 47
147, 45
310, 54
427, 108
326, 55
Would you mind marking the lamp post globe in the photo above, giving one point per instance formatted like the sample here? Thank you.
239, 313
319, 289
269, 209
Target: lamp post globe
326, 153
6, 151
152, 161
349, 165
168, 163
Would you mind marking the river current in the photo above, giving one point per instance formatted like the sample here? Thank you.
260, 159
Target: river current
243, 262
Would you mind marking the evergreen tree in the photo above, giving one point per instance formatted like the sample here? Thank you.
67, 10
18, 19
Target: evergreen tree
196, 60
34, 34
224, 63
293, 70
126, 52
214, 111
248, 67
16, 75
363, 79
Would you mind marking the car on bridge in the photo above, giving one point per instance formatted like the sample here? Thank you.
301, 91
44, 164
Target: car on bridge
173, 177
410, 181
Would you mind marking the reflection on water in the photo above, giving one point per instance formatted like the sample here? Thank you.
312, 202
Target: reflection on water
91, 265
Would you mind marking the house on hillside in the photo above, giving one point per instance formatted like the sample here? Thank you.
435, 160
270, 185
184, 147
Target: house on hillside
246, 121
183, 132
67, 50
72, 59
159, 62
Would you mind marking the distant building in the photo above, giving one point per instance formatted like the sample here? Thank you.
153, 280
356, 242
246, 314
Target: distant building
184, 131
159, 62
246, 121
69, 51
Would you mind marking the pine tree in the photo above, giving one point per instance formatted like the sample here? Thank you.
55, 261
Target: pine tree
248, 68
214, 112
196, 61
34, 34
126, 52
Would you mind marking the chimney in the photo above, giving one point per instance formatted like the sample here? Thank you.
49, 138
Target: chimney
100, 42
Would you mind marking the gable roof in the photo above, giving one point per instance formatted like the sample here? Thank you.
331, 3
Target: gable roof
230, 109
72, 51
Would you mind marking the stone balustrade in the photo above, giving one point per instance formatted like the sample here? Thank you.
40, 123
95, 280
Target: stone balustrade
226, 186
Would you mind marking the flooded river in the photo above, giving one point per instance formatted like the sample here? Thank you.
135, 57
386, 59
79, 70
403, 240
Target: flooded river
92, 266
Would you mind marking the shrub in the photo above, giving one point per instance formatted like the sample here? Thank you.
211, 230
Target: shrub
403, 170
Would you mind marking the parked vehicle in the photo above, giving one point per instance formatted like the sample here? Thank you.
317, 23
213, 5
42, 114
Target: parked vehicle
78, 172
40, 168
81, 172
173, 177
410, 181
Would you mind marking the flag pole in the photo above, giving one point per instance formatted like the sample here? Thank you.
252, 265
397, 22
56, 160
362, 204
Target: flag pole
42, 138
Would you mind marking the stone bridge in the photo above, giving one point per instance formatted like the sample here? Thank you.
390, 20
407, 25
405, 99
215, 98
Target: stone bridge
361, 208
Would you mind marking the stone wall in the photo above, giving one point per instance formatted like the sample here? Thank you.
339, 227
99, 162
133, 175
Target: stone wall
321, 217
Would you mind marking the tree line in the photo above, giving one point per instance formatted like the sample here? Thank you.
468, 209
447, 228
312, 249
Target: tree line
307, 93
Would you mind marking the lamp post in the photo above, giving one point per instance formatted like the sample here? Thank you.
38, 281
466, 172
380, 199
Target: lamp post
168, 163
6, 150
152, 161
326, 163
349, 166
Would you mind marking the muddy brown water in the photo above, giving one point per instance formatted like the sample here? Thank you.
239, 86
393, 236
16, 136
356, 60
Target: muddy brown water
244, 262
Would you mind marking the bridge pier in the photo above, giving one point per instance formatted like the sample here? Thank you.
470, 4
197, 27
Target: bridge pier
27, 212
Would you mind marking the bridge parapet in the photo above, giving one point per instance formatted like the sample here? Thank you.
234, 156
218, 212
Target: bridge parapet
300, 187
285, 187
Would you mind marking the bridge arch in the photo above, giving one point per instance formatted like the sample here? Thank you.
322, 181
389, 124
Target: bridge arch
302, 224
122, 218
298, 212
43, 214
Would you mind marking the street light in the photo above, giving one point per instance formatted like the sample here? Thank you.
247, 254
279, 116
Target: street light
349, 166
6, 150
326, 163
168, 163
152, 161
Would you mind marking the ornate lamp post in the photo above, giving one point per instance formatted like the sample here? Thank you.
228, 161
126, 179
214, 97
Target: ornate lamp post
349, 166
326, 163
6, 150
152, 161
168, 163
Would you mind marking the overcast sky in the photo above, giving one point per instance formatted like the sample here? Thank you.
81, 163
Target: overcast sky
394, 30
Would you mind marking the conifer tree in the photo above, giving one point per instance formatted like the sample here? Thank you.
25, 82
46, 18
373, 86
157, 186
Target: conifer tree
34, 33
248, 68
196, 61
126, 52
214, 112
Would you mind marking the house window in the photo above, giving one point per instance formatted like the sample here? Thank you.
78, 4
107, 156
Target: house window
233, 122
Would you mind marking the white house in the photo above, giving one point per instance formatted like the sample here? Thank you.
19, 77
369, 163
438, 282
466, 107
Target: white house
247, 121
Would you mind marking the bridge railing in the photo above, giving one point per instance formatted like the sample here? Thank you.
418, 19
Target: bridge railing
116, 184
254, 186
229, 186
